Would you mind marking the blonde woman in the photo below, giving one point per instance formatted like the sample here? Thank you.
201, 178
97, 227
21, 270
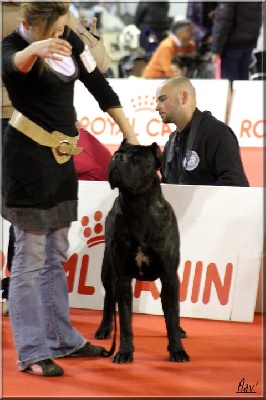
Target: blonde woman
41, 61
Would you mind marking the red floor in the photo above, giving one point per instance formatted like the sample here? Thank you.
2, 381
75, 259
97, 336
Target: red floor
226, 358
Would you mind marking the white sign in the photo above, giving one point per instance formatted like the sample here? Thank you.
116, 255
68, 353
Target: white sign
247, 113
138, 98
221, 231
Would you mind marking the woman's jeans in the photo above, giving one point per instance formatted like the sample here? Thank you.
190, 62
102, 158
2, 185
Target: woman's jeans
38, 298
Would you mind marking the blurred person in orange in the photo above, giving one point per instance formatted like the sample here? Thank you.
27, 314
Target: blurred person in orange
179, 42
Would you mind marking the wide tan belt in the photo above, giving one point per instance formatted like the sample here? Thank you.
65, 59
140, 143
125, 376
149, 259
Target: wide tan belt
62, 146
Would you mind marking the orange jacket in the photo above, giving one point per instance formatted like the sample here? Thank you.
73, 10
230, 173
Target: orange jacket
159, 65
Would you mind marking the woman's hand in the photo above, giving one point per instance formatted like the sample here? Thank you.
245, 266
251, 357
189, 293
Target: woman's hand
131, 138
51, 48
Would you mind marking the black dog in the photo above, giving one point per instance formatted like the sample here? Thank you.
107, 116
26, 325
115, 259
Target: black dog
142, 242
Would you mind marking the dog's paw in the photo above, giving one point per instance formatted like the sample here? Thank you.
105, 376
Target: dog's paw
179, 356
122, 358
103, 332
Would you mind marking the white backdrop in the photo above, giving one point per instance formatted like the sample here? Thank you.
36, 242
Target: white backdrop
221, 232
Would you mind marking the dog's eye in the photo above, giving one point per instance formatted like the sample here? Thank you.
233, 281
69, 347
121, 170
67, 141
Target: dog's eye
119, 156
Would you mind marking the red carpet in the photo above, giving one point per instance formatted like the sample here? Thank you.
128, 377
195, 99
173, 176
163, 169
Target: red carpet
226, 358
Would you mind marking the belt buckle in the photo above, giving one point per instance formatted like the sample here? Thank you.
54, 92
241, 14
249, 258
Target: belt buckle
63, 153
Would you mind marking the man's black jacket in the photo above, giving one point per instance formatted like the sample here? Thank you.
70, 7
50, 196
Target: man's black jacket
213, 159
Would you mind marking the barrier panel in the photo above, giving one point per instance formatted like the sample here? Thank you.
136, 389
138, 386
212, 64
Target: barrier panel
221, 231
247, 112
246, 118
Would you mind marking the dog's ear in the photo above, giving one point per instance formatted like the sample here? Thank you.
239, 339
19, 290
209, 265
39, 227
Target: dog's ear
157, 153
123, 144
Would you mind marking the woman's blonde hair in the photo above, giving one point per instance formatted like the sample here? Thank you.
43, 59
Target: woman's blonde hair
44, 15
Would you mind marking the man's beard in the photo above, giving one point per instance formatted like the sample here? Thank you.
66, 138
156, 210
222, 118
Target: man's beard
166, 119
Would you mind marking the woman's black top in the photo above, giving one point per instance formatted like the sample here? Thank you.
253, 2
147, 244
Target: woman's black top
37, 191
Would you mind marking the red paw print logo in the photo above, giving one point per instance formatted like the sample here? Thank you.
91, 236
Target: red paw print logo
94, 234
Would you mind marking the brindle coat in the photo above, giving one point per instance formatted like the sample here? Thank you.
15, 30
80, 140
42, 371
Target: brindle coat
142, 242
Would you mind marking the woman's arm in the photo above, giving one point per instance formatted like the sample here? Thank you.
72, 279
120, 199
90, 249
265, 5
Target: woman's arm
99, 87
119, 117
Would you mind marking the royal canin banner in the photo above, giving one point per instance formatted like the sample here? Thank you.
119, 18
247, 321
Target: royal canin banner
138, 97
242, 110
246, 116
221, 230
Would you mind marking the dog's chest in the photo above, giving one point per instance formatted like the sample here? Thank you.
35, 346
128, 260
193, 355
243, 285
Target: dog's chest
146, 264
137, 240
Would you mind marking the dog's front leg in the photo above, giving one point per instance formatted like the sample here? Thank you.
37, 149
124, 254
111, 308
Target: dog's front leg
170, 305
106, 325
124, 299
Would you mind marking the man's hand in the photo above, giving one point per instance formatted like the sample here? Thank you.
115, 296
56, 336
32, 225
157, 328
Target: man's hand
93, 26
215, 57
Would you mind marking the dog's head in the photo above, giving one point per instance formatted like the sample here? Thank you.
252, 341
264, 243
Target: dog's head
133, 168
